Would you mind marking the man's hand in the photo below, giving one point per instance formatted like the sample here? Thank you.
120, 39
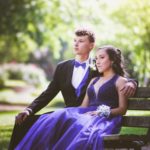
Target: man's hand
129, 89
22, 116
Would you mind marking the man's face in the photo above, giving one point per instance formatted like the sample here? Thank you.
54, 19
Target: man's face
82, 45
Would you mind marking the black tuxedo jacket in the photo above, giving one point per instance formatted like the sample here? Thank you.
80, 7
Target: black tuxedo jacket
62, 82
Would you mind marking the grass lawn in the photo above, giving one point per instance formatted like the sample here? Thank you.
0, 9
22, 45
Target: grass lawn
5, 133
6, 125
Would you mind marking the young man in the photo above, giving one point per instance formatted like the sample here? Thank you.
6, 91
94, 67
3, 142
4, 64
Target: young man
71, 78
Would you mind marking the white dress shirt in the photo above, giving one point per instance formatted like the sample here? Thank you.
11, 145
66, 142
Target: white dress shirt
78, 74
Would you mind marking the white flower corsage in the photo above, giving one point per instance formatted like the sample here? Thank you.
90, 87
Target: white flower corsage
103, 110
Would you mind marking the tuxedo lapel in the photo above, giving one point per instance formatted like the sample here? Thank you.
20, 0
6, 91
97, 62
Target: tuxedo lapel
91, 75
69, 73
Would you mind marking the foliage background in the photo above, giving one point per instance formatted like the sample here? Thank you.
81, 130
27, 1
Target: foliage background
32, 28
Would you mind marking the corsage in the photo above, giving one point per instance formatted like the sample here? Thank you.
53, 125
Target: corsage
103, 110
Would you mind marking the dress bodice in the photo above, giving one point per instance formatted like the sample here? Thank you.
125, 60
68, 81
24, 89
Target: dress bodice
107, 93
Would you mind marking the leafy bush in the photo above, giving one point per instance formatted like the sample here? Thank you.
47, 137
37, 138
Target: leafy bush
3, 77
29, 73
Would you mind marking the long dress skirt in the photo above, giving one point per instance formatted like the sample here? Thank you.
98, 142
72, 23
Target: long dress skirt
69, 129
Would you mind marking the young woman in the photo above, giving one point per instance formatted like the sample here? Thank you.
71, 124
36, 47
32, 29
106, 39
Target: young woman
99, 114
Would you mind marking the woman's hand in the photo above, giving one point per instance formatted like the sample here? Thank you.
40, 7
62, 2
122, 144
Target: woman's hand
92, 113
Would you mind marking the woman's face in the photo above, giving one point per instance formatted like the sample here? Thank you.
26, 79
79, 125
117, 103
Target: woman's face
103, 62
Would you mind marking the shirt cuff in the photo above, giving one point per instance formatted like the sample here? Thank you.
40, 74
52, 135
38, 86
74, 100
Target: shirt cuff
133, 81
29, 110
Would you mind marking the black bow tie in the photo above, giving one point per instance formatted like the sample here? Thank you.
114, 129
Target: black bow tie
77, 64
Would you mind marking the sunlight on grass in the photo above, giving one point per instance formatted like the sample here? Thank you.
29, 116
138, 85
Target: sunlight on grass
7, 118
139, 131
9, 96
12, 83
18, 92
137, 113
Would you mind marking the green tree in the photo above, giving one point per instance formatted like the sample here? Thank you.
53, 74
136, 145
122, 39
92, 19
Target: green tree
16, 33
133, 34
28, 25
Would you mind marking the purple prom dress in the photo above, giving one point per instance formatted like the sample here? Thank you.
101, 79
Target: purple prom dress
71, 128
